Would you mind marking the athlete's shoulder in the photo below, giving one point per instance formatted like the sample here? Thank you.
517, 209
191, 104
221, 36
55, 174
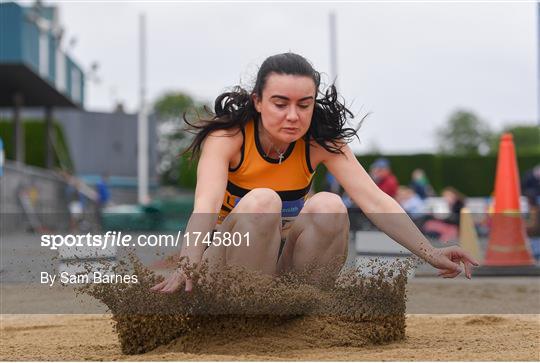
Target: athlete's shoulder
226, 141
232, 135
319, 154
232, 132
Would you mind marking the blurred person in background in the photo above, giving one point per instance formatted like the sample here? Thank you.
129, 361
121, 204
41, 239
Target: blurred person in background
75, 200
102, 189
420, 184
384, 178
412, 204
80, 200
530, 186
447, 228
455, 201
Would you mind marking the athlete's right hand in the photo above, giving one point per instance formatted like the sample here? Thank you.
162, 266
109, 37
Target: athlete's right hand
173, 282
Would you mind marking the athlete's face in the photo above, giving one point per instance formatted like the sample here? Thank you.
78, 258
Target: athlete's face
286, 106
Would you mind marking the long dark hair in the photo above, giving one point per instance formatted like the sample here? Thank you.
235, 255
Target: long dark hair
235, 108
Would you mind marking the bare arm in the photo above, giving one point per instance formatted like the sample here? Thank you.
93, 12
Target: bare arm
388, 215
218, 149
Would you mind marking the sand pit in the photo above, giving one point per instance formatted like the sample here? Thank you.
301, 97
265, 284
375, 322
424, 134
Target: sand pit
235, 304
429, 337
299, 331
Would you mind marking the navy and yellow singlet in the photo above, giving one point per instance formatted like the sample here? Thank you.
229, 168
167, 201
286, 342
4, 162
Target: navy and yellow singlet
291, 179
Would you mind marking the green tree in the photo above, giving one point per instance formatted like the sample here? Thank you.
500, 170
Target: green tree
170, 109
464, 134
173, 104
526, 138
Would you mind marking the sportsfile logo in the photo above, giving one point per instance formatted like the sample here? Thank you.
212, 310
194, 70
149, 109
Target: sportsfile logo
110, 239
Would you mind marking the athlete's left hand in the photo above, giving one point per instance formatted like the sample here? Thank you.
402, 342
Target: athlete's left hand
448, 260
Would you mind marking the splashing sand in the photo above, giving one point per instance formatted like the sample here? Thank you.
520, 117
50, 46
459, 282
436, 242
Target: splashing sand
233, 304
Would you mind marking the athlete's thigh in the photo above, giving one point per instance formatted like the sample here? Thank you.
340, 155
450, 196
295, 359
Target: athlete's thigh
292, 229
215, 253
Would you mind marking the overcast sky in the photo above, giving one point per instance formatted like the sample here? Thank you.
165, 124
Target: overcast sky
409, 64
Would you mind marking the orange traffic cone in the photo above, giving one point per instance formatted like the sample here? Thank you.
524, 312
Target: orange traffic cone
507, 240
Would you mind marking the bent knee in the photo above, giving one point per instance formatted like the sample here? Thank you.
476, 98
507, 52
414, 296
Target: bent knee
325, 202
260, 200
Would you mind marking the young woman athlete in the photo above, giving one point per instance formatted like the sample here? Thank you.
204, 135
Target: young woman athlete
257, 159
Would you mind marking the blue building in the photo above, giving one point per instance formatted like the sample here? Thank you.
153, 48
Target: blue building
37, 75
34, 70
